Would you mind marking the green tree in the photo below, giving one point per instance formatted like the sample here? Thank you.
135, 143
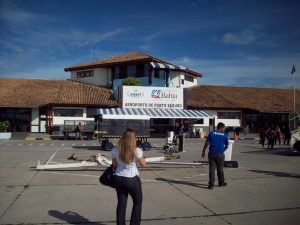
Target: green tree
4, 125
131, 81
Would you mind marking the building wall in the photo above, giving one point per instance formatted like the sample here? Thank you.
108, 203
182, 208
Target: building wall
60, 120
102, 77
227, 122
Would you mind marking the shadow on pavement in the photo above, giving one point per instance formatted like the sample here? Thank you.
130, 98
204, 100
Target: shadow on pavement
276, 151
182, 182
277, 174
96, 148
71, 217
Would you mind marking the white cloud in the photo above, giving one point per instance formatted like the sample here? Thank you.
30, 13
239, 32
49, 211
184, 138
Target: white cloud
17, 18
243, 37
79, 38
13, 15
245, 71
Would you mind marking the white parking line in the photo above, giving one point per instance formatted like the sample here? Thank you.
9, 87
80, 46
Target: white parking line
75, 174
84, 144
52, 156
20, 145
52, 144
31, 144
42, 144
63, 144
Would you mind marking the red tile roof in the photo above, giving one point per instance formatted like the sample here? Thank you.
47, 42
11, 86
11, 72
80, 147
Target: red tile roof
131, 57
259, 99
31, 93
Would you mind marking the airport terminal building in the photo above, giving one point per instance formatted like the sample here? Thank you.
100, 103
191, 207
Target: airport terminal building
169, 93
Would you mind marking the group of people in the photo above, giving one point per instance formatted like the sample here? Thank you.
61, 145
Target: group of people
126, 156
274, 135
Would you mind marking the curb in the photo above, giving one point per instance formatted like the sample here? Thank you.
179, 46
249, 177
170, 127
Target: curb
37, 139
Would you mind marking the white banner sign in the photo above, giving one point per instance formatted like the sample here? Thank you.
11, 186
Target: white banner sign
152, 97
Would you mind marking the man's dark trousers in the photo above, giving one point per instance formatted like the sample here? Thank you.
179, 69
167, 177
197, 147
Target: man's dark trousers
216, 160
180, 147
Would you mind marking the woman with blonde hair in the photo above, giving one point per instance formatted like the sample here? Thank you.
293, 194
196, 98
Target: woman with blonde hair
126, 179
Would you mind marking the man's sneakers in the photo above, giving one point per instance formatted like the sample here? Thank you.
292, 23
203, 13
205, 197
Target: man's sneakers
210, 186
223, 184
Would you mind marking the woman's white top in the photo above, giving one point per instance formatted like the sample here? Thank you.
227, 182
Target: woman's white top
127, 170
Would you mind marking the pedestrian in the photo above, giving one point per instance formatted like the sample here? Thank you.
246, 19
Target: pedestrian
126, 179
78, 131
236, 133
218, 143
262, 136
180, 133
277, 135
287, 135
271, 137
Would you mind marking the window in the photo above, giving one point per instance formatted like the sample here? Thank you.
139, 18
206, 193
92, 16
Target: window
201, 121
229, 115
146, 70
88, 73
188, 78
91, 112
116, 72
182, 81
123, 72
160, 121
68, 112
140, 70
156, 73
131, 70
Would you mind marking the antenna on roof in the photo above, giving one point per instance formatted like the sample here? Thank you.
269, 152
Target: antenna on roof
91, 53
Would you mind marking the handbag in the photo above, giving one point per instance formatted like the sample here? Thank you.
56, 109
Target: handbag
106, 177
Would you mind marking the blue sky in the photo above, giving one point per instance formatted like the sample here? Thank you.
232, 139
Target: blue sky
236, 43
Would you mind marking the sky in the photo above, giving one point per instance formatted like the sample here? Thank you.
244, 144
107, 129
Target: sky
232, 43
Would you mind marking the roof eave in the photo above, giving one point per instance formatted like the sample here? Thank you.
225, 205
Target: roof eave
105, 65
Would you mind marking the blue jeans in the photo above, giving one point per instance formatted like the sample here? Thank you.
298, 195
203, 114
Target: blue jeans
133, 187
216, 160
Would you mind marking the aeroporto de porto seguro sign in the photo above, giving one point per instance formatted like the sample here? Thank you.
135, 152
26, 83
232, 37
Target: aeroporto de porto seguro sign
152, 97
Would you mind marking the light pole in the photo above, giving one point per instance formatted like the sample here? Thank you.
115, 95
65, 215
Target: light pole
292, 72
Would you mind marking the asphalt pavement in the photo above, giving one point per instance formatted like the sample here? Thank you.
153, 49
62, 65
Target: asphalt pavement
264, 189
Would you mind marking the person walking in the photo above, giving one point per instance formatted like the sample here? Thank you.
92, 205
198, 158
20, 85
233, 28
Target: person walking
180, 134
271, 135
78, 131
287, 135
277, 135
262, 136
126, 179
218, 143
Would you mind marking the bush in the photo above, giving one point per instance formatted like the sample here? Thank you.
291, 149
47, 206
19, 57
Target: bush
4, 125
131, 81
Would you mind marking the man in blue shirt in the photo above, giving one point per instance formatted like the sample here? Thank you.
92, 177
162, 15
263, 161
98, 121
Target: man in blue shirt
218, 143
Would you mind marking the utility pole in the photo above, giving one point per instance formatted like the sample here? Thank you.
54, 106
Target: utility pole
292, 72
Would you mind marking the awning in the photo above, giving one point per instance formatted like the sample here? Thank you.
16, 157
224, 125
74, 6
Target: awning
156, 113
166, 66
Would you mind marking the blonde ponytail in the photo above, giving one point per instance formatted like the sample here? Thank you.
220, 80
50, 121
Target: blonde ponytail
127, 146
